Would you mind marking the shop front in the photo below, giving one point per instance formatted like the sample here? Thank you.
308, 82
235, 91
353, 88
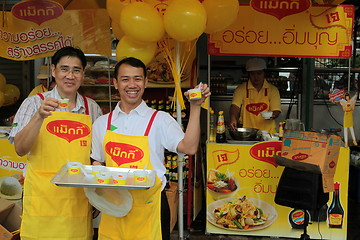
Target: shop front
243, 176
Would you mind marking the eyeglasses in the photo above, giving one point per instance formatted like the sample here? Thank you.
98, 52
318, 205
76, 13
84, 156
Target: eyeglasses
66, 70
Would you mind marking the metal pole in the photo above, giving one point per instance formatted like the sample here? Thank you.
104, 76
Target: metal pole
180, 159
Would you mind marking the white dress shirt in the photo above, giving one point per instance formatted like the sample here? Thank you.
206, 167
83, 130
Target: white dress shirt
31, 104
165, 133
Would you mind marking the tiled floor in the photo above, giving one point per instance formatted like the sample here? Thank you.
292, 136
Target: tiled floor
197, 232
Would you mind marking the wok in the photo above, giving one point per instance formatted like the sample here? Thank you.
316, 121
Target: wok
245, 134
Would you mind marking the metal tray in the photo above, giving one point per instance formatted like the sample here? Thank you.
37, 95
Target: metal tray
64, 179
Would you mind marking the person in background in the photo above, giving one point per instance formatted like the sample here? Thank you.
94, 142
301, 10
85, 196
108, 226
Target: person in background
49, 211
43, 76
253, 97
135, 124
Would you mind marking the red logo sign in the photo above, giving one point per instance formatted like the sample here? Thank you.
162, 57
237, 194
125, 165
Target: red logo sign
280, 8
256, 108
122, 153
265, 151
332, 164
300, 156
68, 130
37, 11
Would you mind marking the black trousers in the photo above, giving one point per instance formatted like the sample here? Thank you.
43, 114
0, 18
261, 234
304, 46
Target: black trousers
165, 216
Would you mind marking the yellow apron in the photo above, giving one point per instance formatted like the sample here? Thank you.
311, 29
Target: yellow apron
348, 116
252, 107
143, 220
52, 212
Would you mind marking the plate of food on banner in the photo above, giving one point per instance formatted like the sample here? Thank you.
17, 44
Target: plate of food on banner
241, 214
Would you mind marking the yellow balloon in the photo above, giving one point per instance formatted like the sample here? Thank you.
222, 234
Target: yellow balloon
142, 22
12, 94
2, 98
114, 8
185, 20
129, 48
116, 29
220, 14
2, 82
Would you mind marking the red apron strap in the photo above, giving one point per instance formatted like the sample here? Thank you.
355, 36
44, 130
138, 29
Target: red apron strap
150, 123
86, 105
109, 121
247, 90
41, 96
266, 92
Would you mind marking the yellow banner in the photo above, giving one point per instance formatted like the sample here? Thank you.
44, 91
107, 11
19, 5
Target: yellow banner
22, 39
10, 162
306, 31
252, 173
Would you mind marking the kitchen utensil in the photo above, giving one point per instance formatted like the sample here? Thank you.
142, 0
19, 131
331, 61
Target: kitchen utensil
245, 134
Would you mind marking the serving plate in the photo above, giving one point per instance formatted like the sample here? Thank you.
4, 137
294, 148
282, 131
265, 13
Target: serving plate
64, 179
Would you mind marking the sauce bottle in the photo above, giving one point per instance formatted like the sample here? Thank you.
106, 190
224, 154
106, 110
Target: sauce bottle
212, 134
220, 130
336, 212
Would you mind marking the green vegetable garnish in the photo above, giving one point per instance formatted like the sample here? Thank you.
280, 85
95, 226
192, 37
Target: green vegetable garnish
237, 223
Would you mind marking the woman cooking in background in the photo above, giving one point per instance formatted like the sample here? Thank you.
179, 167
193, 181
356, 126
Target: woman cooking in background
253, 97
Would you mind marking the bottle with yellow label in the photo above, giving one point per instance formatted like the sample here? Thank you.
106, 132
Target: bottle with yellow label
220, 130
212, 133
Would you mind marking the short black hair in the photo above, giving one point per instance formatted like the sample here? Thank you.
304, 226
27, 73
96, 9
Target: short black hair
69, 52
134, 62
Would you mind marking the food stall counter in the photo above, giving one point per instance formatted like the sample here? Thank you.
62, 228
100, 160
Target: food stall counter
240, 174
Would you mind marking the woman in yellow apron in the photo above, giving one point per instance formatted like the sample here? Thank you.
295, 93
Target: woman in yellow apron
53, 136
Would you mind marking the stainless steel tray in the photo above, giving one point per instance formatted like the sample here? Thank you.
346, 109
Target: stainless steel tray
64, 179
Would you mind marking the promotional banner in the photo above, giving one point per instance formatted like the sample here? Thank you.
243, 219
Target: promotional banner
287, 28
242, 182
36, 29
10, 162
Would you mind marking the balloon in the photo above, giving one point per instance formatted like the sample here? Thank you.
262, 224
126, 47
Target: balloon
2, 98
129, 48
12, 94
142, 22
185, 20
114, 8
2, 82
220, 14
116, 29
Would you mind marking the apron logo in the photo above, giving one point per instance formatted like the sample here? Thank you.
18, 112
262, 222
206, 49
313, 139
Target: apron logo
68, 130
122, 153
265, 151
256, 108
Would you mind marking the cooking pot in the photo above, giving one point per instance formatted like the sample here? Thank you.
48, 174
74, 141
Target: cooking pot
245, 134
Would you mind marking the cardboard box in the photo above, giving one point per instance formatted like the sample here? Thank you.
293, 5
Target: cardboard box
173, 199
10, 220
318, 149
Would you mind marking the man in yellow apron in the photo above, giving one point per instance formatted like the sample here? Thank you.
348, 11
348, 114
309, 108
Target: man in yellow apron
52, 136
134, 126
253, 97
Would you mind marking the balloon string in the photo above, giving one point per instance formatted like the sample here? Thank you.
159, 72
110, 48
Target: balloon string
168, 49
